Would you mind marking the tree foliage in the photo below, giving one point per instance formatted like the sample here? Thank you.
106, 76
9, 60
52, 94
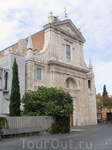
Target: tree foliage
104, 91
51, 102
105, 103
47, 101
14, 106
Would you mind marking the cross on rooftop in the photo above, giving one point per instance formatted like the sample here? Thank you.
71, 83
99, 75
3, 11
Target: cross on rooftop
65, 11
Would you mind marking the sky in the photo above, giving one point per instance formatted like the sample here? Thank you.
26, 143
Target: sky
93, 17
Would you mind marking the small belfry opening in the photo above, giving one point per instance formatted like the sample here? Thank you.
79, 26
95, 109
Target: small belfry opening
89, 84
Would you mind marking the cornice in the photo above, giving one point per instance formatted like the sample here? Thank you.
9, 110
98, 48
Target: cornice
54, 62
58, 69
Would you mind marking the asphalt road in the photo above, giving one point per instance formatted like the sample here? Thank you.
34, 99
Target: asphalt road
98, 137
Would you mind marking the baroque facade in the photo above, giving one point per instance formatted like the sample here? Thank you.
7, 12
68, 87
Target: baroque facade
54, 58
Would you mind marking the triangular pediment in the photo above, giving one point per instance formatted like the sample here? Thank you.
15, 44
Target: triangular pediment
70, 28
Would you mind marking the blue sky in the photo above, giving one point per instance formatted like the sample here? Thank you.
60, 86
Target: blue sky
93, 17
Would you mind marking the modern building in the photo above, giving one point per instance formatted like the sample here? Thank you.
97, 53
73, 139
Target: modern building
54, 57
6, 63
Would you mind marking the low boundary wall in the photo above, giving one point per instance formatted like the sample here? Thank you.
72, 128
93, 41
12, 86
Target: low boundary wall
30, 121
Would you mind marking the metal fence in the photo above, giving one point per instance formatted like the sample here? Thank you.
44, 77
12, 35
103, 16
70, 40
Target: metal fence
32, 121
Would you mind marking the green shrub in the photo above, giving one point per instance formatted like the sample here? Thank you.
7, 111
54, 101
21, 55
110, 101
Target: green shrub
50, 102
61, 125
3, 124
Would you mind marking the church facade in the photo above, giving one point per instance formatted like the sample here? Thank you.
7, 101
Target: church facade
54, 57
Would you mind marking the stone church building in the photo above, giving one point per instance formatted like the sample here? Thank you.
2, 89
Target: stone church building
52, 57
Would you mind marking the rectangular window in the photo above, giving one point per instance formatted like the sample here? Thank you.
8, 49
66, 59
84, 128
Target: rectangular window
6, 76
99, 116
35, 52
68, 55
98, 110
38, 74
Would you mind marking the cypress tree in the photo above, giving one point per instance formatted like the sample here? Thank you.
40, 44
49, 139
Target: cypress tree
105, 91
14, 106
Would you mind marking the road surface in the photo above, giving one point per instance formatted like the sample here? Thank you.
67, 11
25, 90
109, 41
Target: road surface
97, 137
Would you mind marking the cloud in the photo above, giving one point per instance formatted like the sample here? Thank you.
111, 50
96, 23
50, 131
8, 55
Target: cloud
103, 75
